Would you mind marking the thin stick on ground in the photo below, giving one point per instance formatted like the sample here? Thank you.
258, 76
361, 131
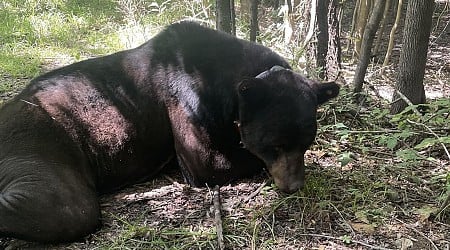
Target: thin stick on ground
405, 99
252, 195
217, 217
420, 233
255, 193
434, 134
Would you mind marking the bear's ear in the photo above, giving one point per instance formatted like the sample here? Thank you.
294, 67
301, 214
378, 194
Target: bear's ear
326, 91
253, 91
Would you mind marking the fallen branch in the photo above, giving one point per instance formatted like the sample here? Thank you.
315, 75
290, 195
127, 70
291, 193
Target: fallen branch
217, 217
405, 99
433, 133
423, 235
420, 233
255, 193
250, 196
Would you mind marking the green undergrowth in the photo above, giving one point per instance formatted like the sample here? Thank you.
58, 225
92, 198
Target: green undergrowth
136, 236
366, 169
385, 160
33, 32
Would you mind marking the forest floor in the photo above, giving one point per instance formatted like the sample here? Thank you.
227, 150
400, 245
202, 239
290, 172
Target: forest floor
361, 193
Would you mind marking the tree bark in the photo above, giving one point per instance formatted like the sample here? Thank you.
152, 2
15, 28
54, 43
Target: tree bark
413, 56
366, 45
233, 17
363, 14
387, 6
312, 22
325, 52
322, 37
245, 9
223, 16
333, 58
392, 35
254, 27
287, 22
352, 37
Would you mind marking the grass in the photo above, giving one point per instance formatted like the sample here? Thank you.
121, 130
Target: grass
34, 31
19, 64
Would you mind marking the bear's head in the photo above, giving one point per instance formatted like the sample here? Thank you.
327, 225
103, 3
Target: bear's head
277, 116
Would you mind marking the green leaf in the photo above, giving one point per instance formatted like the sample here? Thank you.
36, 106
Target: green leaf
407, 154
405, 133
345, 158
346, 239
445, 140
426, 143
391, 143
340, 125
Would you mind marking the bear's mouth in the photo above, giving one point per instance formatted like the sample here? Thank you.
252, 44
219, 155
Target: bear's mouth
288, 171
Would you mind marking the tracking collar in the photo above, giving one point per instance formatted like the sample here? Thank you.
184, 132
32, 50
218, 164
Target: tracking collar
271, 70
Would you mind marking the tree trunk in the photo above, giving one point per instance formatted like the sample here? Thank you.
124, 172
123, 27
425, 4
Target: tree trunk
254, 29
392, 36
287, 22
322, 37
306, 30
223, 16
363, 14
312, 9
245, 9
387, 6
233, 17
325, 52
413, 56
289, 5
366, 45
352, 35
333, 58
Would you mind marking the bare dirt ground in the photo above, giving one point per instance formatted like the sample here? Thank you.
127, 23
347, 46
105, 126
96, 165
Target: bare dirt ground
375, 202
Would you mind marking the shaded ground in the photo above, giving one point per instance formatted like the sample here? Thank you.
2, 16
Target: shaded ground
165, 214
375, 201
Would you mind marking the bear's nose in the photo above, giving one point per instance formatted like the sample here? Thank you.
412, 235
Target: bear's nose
288, 172
291, 187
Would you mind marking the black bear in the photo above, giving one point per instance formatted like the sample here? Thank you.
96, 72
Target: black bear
224, 107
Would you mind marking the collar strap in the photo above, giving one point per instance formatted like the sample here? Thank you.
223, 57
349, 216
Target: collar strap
271, 70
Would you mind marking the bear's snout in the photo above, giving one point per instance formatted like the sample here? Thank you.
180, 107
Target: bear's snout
288, 172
